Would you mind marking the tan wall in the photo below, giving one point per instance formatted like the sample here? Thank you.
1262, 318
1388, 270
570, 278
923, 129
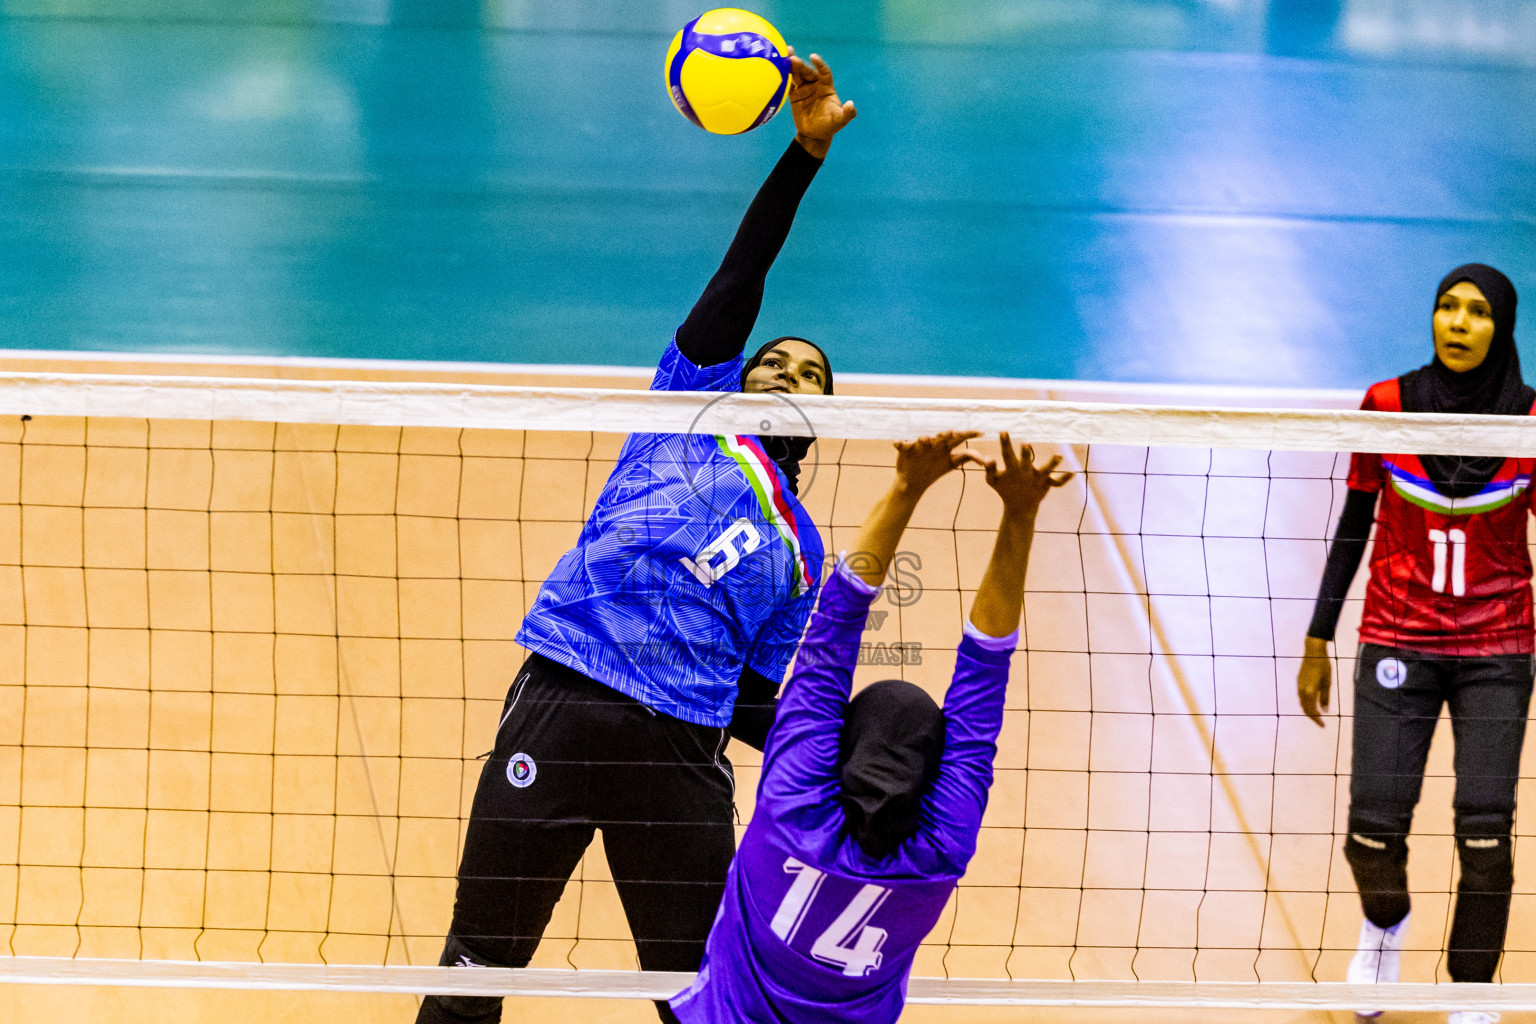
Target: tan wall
246, 671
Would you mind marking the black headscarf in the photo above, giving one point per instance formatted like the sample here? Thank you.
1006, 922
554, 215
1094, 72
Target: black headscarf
786, 452
1494, 387
893, 736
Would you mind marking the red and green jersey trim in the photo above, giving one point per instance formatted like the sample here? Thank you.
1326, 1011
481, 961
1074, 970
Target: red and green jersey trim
763, 476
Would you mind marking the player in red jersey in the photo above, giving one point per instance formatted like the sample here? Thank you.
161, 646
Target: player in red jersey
1447, 621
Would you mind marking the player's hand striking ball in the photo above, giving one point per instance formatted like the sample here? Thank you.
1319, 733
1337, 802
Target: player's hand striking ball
813, 101
729, 71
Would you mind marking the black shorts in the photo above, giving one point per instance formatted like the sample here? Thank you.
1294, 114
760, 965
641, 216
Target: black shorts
1398, 697
571, 756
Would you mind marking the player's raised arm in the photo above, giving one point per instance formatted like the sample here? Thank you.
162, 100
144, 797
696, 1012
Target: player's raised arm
1022, 486
973, 707
718, 326
811, 713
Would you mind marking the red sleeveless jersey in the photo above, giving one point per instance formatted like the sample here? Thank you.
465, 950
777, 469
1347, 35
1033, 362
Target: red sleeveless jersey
1449, 576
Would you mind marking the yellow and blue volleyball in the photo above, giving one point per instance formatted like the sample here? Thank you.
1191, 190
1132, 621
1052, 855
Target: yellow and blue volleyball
728, 71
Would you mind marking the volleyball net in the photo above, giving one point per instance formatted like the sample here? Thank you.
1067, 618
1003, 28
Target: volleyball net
256, 636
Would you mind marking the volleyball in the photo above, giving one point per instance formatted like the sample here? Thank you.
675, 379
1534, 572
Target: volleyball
728, 71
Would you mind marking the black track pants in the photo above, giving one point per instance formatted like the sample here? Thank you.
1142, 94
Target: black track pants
1398, 695
572, 756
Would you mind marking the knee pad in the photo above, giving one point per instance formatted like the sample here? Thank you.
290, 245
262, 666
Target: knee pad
1376, 851
1487, 863
1379, 862
1380, 822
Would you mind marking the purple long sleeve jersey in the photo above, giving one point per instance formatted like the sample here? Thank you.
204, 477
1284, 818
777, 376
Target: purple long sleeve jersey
812, 929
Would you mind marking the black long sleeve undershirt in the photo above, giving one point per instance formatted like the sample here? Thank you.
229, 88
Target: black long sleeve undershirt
1343, 561
717, 329
720, 322
757, 702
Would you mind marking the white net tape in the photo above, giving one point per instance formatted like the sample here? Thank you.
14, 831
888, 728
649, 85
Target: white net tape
846, 417
605, 984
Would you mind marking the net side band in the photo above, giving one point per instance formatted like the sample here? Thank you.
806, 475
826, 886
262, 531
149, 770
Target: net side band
535, 982
469, 406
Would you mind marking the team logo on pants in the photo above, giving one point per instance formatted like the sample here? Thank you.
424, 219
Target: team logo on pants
1390, 673
521, 770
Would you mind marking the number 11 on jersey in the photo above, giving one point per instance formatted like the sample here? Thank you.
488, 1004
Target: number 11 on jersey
1458, 546
856, 958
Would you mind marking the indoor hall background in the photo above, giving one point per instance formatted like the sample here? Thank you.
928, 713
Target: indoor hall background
1218, 192
1234, 191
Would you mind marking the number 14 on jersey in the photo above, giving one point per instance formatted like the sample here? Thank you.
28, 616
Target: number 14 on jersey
850, 941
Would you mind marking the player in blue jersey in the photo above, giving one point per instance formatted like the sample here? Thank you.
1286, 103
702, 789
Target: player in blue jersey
667, 628
868, 810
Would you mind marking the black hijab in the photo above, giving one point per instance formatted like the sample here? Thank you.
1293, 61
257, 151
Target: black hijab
786, 452
893, 736
1494, 387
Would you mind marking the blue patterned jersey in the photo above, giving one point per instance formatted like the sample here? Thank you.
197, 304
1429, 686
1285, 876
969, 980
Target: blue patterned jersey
812, 930
697, 560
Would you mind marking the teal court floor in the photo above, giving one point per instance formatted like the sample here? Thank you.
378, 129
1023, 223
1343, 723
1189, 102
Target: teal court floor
1242, 192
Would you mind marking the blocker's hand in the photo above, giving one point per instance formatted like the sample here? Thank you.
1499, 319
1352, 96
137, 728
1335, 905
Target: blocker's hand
813, 101
1019, 482
1314, 682
919, 463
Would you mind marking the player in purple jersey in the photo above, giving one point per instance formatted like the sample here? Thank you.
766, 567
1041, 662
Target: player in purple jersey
868, 809
664, 630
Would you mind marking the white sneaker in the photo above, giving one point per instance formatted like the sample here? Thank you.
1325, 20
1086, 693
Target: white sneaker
1472, 1017
1378, 958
